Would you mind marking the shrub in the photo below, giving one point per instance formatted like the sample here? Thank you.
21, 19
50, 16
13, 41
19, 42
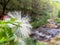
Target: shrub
42, 20
6, 32
59, 13
57, 20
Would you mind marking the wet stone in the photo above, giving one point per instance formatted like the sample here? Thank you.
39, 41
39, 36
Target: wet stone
45, 33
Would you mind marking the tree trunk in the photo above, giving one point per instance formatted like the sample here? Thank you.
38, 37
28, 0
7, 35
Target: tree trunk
3, 12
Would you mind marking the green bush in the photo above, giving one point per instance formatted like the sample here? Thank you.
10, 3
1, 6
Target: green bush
41, 43
42, 20
57, 20
32, 41
54, 44
59, 13
6, 32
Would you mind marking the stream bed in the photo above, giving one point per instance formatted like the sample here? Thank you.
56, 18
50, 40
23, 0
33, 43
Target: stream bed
45, 33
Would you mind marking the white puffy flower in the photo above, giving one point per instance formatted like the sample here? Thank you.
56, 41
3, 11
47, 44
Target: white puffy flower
25, 28
11, 25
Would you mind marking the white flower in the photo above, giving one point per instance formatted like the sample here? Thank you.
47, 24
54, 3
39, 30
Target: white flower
11, 25
25, 28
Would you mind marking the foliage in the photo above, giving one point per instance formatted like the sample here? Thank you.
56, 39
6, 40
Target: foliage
6, 32
57, 20
40, 43
32, 41
40, 12
56, 4
4, 3
54, 44
26, 6
39, 22
59, 13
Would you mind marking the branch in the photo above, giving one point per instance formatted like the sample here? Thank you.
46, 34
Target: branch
1, 3
7, 1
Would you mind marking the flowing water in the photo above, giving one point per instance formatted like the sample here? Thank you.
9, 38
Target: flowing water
45, 33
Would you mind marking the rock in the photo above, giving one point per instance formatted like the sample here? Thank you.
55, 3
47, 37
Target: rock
52, 40
47, 33
51, 26
58, 42
48, 36
51, 21
58, 25
56, 39
58, 36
